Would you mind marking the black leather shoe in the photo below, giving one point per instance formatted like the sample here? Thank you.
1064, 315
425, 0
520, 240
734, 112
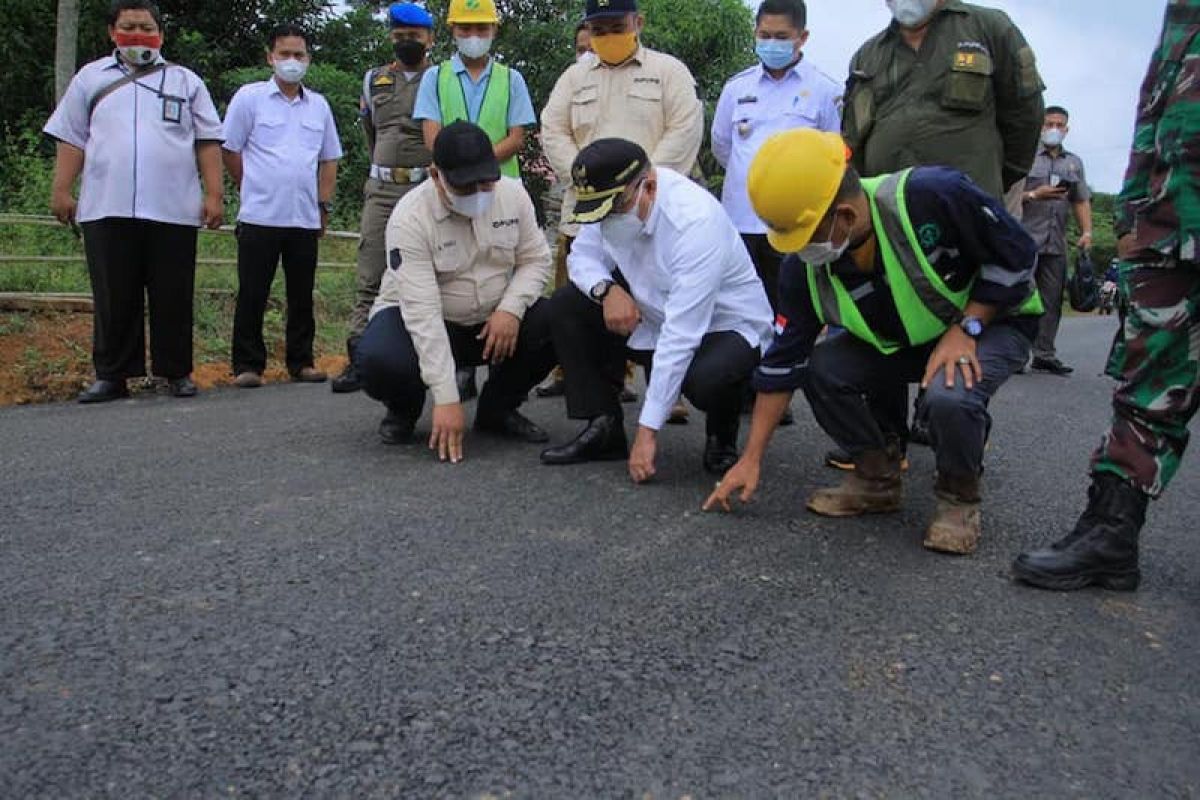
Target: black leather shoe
465, 378
103, 391
1051, 365
1102, 550
719, 455
182, 387
512, 425
397, 428
555, 388
348, 380
602, 440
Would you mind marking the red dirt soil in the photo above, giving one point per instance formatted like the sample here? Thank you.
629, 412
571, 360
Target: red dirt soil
48, 358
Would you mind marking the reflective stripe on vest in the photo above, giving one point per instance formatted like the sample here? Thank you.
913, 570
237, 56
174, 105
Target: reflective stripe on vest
493, 113
925, 304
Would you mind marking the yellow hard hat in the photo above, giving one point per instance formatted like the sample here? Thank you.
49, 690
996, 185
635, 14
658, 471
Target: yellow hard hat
469, 12
792, 182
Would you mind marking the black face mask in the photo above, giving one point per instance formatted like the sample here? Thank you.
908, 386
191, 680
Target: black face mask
410, 52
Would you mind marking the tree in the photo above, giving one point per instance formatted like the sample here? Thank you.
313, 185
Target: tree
66, 45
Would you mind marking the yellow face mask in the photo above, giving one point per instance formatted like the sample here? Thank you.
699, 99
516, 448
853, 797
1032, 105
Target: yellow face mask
615, 48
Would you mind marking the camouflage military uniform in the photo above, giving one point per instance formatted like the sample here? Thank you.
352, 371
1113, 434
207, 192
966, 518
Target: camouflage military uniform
1157, 354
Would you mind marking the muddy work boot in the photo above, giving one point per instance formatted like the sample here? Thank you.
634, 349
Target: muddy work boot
1103, 548
873, 487
958, 521
349, 379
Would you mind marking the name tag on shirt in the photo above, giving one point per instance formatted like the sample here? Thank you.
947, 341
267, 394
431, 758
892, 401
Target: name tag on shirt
172, 108
747, 99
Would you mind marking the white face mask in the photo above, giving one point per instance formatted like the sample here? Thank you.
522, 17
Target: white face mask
471, 205
1052, 137
139, 55
621, 230
290, 70
820, 253
911, 13
473, 46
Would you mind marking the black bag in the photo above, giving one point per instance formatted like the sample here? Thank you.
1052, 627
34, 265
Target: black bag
1083, 287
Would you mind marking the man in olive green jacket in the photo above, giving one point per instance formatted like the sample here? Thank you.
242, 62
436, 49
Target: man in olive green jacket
947, 83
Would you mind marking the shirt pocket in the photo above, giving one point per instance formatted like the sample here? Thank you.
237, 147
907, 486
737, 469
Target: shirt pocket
312, 135
271, 132
969, 82
646, 102
585, 112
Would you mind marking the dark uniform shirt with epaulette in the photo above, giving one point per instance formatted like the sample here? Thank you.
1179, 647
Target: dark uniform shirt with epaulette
970, 98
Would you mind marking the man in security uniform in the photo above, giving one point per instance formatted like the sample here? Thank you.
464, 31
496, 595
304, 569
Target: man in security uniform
947, 83
467, 264
932, 281
398, 157
473, 86
1155, 358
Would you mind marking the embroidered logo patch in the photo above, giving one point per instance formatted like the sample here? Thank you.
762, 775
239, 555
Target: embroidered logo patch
929, 235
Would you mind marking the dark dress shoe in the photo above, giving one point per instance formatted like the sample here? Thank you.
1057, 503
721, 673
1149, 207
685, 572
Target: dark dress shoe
553, 389
103, 391
512, 425
397, 428
719, 455
602, 440
465, 378
182, 387
1051, 365
346, 381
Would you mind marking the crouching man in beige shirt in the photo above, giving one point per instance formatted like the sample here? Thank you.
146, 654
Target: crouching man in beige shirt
466, 267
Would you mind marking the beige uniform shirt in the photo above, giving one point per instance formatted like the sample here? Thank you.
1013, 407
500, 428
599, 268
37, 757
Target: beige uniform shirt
444, 267
650, 99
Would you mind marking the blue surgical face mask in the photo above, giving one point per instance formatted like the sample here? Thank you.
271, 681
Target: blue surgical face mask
775, 53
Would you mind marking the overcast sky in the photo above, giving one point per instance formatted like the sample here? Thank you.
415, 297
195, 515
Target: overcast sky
1092, 55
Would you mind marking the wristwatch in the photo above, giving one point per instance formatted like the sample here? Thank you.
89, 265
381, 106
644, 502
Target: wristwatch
600, 290
971, 326
325, 206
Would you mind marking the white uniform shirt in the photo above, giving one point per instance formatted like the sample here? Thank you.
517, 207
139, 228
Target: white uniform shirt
140, 143
753, 107
690, 275
281, 142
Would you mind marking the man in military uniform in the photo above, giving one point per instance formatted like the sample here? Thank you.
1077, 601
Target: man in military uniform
398, 157
1156, 357
946, 83
931, 280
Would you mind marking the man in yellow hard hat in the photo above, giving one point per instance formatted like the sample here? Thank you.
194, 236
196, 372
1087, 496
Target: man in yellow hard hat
931, 280
473, 86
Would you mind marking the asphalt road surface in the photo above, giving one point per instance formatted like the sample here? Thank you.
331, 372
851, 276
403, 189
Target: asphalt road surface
247, 595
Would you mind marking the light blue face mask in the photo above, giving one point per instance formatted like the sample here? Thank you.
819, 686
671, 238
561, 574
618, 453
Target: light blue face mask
775, 53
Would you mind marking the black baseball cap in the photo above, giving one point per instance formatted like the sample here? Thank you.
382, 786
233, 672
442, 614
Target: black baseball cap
609, 8
463, 153
601, 172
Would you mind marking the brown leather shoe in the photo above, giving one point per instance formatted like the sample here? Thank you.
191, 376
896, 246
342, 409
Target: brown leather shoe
248, 380
308, 374
873, 487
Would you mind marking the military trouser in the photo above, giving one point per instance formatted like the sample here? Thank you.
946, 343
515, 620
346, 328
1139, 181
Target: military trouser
1156, 357
379, 200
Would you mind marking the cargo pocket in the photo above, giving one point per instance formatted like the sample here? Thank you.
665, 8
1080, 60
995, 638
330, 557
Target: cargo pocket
585, 112
969, 83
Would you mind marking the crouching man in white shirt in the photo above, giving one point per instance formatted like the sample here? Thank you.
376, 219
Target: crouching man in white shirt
659, 276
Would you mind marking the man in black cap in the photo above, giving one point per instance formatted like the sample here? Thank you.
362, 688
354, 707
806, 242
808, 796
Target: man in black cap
467, 264
686, 303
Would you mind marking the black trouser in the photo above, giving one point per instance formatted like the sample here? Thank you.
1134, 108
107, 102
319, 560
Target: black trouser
391, 372
845, 375
130, 261
1051, 281
766, 263
593, 361
260, 248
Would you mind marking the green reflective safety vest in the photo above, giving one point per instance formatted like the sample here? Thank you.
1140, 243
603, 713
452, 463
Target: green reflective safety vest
493, 113
926, 305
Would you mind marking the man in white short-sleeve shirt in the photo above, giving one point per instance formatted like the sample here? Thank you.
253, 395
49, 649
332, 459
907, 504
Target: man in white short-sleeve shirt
141, 132
281, 148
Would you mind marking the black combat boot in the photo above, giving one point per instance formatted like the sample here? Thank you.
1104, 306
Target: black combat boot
1103, 548
349, 380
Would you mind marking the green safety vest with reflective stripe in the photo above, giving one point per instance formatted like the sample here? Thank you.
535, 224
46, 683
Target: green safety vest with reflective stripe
926, 305
493, 114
